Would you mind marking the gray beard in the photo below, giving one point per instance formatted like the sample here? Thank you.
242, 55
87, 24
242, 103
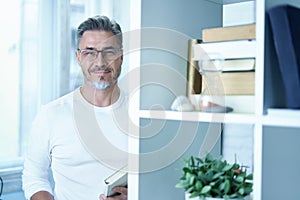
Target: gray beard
101, 85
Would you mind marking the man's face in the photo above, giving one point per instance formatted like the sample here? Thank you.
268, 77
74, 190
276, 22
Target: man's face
100, 69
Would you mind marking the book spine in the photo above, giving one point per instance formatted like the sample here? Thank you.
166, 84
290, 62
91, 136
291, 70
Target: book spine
241, 32
227, 49
194, 79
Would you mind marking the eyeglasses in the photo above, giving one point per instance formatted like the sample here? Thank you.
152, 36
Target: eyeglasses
109, 54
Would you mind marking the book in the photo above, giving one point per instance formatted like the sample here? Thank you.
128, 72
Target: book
227, 49
247, 64
119, 178
240, 32
194, 79
284, 21
235, 83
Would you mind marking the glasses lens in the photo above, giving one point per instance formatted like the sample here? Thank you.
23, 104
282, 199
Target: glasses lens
89, 54
107, 54
110, 54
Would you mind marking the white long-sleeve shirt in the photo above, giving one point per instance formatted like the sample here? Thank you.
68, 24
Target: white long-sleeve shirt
71, 136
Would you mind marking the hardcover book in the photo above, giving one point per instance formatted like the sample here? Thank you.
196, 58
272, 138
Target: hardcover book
234, 65
119, 178
194, 79
240, 32
236, 83
227, 49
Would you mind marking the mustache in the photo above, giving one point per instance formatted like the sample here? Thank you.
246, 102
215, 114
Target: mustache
102, 68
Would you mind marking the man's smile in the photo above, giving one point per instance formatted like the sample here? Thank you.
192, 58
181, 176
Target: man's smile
101, 71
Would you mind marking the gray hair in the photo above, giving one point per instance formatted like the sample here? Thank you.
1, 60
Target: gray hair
102, 23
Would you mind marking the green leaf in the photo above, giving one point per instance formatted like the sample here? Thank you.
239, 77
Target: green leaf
240, 179
226, 186
186, 169
242, 191
247, 189
209, 175
235, 166
227, 168
200, 174
182, 184
249, 177
208, 158
233, 196
217, 175
199, 160
192, 179
205, 189
188, 175
190, 189
194, 194
198, 185
222, 186
192, 161
213, 183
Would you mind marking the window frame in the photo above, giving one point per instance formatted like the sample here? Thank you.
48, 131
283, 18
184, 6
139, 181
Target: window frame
52, 48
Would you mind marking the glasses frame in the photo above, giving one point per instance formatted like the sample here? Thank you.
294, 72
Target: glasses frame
116, 50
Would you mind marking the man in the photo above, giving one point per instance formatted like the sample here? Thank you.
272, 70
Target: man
65, 134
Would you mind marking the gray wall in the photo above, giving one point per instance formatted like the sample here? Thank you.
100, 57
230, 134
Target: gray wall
164, 49
163, 77
281, 163
161, 171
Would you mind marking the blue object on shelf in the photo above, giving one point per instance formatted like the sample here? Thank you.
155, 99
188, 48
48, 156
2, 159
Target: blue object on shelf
285, 26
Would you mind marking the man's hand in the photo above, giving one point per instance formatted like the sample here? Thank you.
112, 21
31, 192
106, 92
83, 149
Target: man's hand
121, 196
42, 195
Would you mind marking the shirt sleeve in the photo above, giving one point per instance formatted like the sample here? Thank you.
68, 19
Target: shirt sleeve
37, 161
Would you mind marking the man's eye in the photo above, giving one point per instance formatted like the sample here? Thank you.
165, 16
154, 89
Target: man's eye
89, 53
109, 52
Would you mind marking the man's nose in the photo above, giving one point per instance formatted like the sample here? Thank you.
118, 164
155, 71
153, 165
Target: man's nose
100, 60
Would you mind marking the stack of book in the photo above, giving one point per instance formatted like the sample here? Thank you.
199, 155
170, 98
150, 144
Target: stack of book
237, 45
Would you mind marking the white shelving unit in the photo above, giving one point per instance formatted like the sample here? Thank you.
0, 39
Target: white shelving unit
200, 116
282, 120
258, 119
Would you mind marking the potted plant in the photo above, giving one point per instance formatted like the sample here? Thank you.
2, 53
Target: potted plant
211, 178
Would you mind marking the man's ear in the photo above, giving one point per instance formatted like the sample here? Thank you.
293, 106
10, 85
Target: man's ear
77, 56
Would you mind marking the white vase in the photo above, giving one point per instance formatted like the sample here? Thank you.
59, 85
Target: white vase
211, 198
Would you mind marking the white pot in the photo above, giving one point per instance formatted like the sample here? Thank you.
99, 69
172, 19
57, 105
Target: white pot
211, 198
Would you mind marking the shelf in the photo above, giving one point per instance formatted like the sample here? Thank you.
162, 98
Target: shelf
228, 1
199, 116
280, 121
244, 118
282, 117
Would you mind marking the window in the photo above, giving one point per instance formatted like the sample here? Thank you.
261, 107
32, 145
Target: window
38, 65
24, 55
32, 73
9, 80
77, 14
